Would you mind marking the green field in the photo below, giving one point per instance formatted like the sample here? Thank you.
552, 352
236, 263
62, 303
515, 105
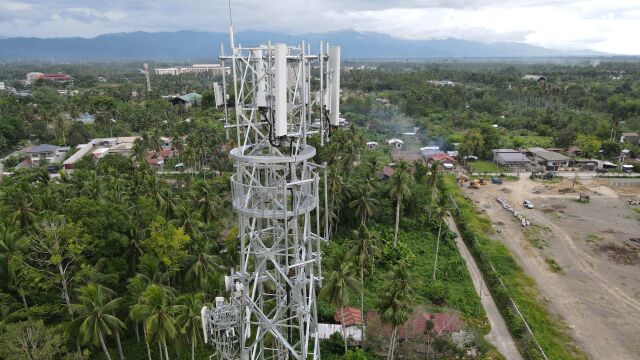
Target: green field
485, 167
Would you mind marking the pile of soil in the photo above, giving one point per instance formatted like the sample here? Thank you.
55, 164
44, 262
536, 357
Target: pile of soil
627, 255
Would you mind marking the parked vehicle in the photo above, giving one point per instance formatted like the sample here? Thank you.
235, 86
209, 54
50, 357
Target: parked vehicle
495, 180
549, 176
528, 204
53, 168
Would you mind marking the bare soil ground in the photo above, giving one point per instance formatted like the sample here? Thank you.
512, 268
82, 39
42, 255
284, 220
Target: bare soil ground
585, 257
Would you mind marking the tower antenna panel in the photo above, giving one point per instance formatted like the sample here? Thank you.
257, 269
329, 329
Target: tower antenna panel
217, 93
280, 89
334, 81
261, 80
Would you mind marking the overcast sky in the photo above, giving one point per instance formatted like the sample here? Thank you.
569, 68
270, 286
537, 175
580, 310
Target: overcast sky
605, 25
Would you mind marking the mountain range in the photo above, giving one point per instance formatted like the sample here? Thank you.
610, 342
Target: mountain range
192, 45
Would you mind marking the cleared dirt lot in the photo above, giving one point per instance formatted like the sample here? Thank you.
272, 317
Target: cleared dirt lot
584, 257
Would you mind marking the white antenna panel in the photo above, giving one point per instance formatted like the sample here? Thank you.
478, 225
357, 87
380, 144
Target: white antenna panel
261, 87
334, 85
217, 92
280, 91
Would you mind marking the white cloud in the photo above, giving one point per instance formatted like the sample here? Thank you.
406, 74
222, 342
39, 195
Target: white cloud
605, 25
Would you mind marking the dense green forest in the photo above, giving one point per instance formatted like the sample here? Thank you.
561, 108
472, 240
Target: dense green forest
600, 101
116, 260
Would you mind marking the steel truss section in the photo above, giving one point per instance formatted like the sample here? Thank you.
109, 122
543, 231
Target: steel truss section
275, 192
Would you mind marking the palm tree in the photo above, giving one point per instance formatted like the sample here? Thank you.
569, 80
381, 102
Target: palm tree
187, 313
401, 182
189, 220
337, 290
95, 315
156, 189
11, 250
140, 149
156, 310
202, 265
206, 201
373, 164
335, 186
395, 304
364, 249
136, 287
21, 206
365, 203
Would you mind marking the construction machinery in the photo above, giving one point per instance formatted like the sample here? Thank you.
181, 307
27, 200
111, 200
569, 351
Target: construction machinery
496, 180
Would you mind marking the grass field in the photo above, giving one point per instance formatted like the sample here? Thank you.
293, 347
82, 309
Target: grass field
485, 167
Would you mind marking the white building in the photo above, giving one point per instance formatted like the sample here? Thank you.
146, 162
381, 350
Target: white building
166, 71
326, 330
442, 82
33, 76
534, 77
46, 153
216, 69
2, 87
396, 143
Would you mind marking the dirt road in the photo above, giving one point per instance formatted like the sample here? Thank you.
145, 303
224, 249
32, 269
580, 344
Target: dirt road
499, 336
597, 298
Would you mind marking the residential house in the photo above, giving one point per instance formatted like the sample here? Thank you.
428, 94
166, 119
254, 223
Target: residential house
187, 100
538, 78
46, 153
574, 151
156, 161
442, 157
632, 138
352, 323
100, 147
352, 316
454, 154
395, 143
442, 82
412, 133
428, 151
550, 160
371, 145
86, 118
511, 158
386, 173
408, 156
165, 143
83, 149
417, 326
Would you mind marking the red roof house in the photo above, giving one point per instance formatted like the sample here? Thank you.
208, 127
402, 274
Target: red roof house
55, 77
441, 157
416, 326
352, 316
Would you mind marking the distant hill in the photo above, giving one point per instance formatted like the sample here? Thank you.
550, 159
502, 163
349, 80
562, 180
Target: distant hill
186, 45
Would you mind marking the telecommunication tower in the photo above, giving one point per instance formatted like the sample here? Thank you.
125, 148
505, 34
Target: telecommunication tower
283, 94
145, 71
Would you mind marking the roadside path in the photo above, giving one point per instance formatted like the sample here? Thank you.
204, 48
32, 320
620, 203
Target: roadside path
499, 336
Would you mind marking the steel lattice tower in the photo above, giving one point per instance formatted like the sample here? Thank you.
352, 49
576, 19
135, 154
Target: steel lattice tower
276, 194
